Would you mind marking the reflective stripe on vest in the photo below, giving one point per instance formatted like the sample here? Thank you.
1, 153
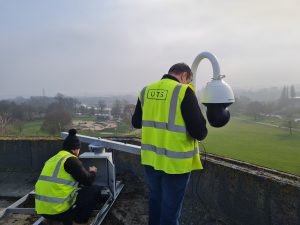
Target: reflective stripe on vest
58, 165
56, 189
54, 177
170, 154
172, 113
54, 199
166, 144
58, 180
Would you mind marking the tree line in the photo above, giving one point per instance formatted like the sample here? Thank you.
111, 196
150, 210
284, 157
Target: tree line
286, 107
57, 113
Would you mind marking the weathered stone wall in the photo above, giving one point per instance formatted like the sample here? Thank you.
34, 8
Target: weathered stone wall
21, 162
29, 154
239, 193
226, 192
233, 193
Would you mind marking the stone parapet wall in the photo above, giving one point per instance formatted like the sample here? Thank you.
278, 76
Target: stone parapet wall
235, 193
240, 193
29, 154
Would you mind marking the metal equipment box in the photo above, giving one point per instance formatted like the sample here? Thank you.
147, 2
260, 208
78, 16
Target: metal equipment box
105, 175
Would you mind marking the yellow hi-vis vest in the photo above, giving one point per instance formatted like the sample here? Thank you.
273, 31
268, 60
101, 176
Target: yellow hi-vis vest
166, 144
55, 190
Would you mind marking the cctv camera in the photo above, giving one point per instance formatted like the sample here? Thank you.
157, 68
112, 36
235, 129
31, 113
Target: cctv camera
217, 114
217, 95
217, 91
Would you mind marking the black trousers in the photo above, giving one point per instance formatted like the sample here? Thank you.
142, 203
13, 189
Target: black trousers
86, 201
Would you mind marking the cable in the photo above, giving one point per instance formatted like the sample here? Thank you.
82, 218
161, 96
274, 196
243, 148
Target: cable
195, 189
204, 153
195, 182
207, 211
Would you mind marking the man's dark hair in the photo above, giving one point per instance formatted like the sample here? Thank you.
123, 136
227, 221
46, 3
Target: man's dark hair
180, 68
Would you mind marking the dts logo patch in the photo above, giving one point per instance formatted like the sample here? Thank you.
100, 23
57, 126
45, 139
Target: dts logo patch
157, 94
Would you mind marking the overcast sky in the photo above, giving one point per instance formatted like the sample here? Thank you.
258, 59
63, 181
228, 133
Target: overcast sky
96, 48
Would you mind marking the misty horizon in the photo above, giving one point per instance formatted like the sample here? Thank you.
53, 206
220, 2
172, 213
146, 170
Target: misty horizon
116, 48
257, 94
43, 92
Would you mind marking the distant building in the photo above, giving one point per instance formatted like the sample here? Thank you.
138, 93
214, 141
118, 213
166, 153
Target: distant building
105, 114
295, 101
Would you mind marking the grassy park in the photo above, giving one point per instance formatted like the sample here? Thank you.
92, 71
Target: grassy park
240, 139
32, 128
258, 144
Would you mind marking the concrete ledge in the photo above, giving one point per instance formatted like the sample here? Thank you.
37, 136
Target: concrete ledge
240, 193
256, 170
17, 184
225, 192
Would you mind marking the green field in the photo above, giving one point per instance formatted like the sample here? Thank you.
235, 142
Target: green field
240, 139
257, 144
32, 128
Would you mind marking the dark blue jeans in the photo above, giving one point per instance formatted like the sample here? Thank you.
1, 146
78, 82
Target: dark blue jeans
166, 196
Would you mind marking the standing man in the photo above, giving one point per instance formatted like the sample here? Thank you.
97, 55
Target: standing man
171, 122
57, 193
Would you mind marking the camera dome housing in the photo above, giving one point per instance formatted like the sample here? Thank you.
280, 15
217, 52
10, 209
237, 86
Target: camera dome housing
217, 114
217, 94
217, 91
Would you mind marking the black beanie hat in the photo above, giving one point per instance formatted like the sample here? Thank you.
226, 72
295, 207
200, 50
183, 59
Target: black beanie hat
72, 141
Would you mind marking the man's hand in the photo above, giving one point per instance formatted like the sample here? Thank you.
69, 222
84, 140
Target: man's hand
93, 169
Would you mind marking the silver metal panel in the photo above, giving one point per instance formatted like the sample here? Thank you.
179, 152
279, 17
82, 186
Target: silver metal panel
16, 204
21, 210
133, 149
112, 178
105, 175
41, 219
101, 162
105, 209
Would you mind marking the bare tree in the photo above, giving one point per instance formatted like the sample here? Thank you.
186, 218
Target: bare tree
289, 118
66, 103
293, 91
284, 97
56, 121
116, 109
254, 109
5, 119
127, 113
19, 125
91, 111
59, 115
101, 105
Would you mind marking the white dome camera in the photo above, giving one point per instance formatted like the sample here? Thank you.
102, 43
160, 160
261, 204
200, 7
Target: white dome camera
217, 94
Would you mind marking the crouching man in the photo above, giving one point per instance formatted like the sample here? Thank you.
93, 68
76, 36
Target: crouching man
64, 191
